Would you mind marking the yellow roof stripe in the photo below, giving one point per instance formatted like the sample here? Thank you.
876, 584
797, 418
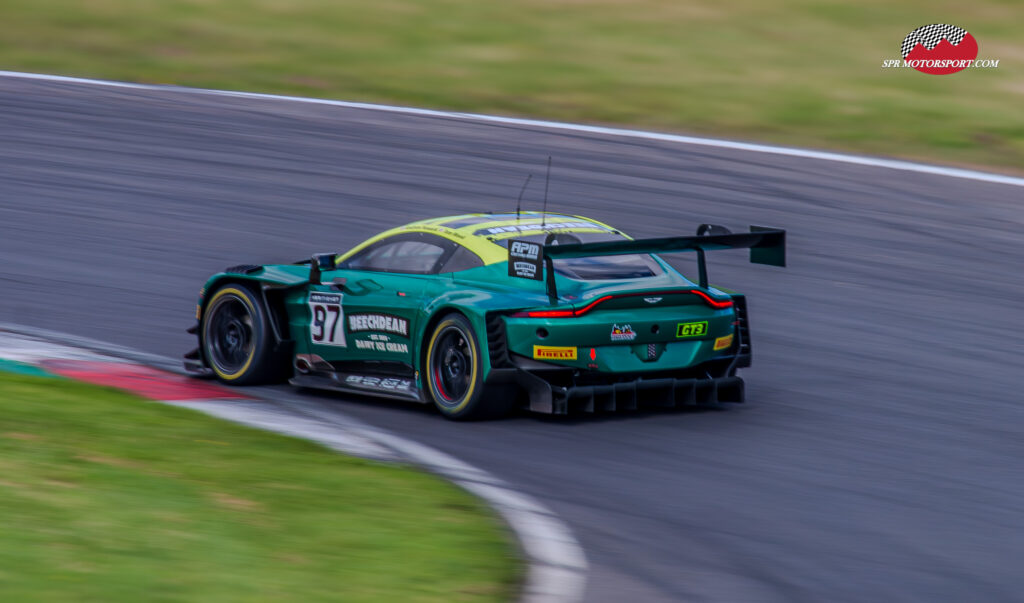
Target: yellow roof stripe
485, 245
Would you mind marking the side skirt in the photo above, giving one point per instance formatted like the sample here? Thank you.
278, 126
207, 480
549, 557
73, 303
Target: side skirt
401, 388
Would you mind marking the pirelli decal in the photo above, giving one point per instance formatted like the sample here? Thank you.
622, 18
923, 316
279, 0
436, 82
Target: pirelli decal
545, 352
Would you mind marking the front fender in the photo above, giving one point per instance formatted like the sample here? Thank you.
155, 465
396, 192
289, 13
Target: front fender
283, 276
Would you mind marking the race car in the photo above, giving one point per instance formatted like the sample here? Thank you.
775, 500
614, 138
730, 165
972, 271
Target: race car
482, 312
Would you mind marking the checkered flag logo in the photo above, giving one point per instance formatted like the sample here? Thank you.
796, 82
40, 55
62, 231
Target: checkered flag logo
931, 35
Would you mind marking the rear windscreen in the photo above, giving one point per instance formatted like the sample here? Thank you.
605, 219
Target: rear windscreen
597, 268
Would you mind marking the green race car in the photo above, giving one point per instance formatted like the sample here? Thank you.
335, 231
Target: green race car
481, 312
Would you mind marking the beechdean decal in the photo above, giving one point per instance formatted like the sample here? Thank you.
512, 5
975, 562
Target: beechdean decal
940, 49
385, 323
525, 259
532, 227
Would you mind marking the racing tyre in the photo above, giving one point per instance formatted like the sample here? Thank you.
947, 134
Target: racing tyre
237, 342
454, 373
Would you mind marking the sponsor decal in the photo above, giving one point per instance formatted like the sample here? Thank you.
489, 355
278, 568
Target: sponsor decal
438, 229
692, 329
382, 343
387, 323
652, 300
723, 342
324, 315
379, 383
623, 333
324, 298
517, 228
524, 270
482, 219
940, 49
524, 259
545, 352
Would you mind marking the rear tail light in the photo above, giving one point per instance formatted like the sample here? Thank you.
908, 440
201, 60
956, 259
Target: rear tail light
714, 302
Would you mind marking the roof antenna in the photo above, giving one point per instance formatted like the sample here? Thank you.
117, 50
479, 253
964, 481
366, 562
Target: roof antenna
547, 179
519, 202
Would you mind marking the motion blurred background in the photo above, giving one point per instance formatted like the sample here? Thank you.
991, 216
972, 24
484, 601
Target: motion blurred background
877, 460
796, 72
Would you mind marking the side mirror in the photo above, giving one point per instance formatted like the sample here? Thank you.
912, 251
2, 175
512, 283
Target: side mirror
321, 262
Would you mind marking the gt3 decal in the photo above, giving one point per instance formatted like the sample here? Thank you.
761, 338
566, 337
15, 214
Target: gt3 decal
324, 315
387, 323
692, 329
544, 352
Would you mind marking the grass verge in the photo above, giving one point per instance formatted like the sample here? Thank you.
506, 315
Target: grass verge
105, 497
802, 72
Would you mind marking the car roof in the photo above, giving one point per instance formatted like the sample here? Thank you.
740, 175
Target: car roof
482, 233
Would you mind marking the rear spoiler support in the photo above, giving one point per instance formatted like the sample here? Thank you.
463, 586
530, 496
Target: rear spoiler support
549, 269
767, 246
702, 268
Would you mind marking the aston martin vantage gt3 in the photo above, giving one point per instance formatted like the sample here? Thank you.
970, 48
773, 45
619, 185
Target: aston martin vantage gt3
479, 313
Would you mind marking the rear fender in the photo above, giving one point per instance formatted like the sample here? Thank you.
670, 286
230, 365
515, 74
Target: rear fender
477, 306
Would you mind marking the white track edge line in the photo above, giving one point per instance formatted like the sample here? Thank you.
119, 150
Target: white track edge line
892, 164
557, 565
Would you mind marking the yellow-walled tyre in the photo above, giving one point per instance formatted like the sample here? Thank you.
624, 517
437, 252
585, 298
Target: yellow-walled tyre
237, 342
454, 373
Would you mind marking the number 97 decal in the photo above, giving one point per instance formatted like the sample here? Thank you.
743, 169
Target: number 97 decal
326, 326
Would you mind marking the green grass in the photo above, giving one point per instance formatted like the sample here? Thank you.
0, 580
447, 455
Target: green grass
106, 497
804, 72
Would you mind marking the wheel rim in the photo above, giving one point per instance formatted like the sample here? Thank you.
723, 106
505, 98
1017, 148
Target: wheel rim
452, 366
229, 334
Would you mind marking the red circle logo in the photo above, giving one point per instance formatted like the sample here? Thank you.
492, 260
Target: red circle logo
939, 49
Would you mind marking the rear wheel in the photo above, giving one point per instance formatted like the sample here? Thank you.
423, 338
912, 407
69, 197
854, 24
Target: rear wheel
454, 373
236, 339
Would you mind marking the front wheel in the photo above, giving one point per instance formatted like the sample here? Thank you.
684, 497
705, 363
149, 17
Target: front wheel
454, 373
236, 339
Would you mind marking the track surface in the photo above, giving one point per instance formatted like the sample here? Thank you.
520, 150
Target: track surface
878, 458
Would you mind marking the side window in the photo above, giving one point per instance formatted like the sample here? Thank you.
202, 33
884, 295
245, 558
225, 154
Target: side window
462, 259
410, 255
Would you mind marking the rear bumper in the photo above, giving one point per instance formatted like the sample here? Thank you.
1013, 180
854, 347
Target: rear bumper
543, 396
550, 389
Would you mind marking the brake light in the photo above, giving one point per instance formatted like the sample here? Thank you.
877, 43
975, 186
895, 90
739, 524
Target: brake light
546, 314
718, 304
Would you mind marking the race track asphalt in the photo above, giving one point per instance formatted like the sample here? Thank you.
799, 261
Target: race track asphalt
879, 457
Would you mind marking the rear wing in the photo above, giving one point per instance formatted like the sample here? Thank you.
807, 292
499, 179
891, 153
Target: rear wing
767, 246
